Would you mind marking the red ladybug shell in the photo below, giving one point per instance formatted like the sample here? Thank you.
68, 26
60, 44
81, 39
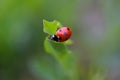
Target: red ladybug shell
63, 34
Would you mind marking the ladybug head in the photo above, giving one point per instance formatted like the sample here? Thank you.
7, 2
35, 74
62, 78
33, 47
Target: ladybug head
54, 38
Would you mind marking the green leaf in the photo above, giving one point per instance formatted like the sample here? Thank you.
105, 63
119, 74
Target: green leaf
51, 27
68, 42
59, 50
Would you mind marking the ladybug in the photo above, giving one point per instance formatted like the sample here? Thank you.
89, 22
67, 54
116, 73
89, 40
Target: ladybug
62, 34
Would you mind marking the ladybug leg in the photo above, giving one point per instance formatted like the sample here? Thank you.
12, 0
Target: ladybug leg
59, 38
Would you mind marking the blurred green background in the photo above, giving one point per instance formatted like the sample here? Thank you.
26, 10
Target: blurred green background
96, 39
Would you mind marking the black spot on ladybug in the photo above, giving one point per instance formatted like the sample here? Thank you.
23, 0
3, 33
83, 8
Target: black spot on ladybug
68, 29
60, 30
65, 33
